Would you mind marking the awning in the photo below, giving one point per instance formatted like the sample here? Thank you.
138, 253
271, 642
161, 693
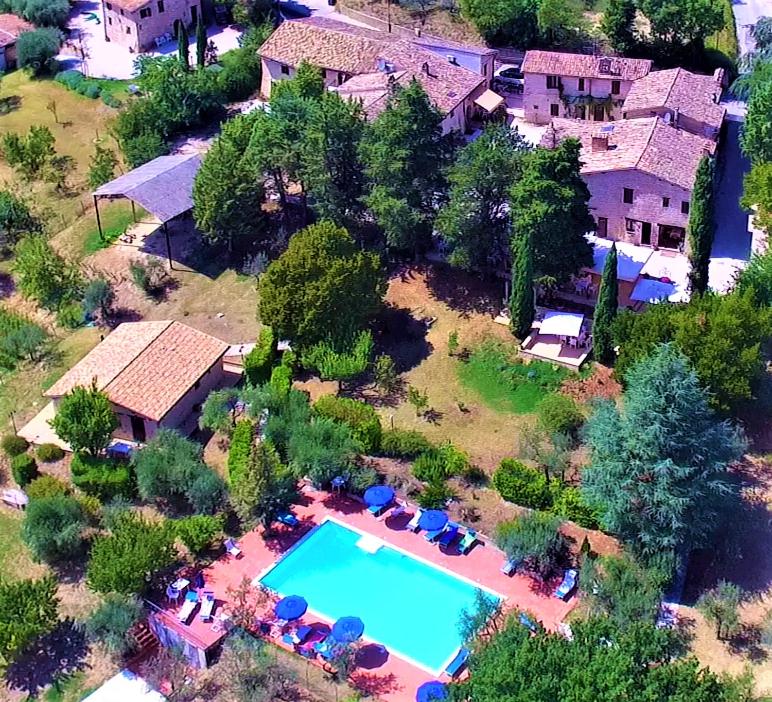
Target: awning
489, 101
562, 324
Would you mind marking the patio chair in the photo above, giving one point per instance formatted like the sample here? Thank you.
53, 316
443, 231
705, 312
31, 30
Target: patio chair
288, 519
567, 586
207, 606
432, 535
466, 543
448, 536
232, 549
412, 525
191, 600
509, 566
172, 594
297, 637
528, 623
378, 510
396, 511
458, 663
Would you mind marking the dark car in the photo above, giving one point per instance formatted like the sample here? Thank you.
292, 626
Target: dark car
290, 8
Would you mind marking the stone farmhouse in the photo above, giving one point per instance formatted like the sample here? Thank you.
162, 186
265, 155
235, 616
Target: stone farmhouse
11, 27
640, 173
365, 63
136, 24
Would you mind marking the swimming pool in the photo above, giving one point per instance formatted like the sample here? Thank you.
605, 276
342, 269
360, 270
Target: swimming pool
409, 606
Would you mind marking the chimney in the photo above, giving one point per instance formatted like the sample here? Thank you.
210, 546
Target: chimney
451, 58
599, 142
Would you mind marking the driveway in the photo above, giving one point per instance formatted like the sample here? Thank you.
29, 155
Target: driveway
746, 14
87, 50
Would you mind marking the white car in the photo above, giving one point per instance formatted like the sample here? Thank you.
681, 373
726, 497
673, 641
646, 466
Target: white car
509, 78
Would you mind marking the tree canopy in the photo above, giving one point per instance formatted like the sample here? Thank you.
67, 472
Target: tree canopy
658, 466
522, 302
28, 609
322, 287
53, 528
503, 22
701, 229
85, 419
618, 24
606, 310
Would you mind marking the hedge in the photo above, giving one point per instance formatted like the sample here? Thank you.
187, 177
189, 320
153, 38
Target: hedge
46, 486
198, 532
241, 445
440, 463
14, 445
101, 477
77, 82
570, 505
281, 380
522, 485
258, 362
24, 469
401, 443
360, 417
559, 414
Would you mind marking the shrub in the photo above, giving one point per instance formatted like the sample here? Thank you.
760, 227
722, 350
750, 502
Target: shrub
360, 417
46, 486
281, 380
36, 49
111, 101
24, 469
92, 507
148, 276
111, 622
361, 478
53, 528
198, 532
559, 414
14, 445
240, 74
401, 443
568, 503
142, 148
522, 485
440, 463
101, 477
435, 496
71, 79
90, 89
241, 445
70, 315
49, 453
258, 362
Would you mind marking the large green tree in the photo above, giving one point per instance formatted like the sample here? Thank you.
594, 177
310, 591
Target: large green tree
757, 192
606, 310
504, 22
406, 156
28, 609
559, 21
227, 196
85, 419
756, 135
475, 222
549, 203
183, 48
322, 287
521, 301
701, 229
264, 490
618, 24
600, 662
53, 528
685, 23
16, 219
658, 467
536, 540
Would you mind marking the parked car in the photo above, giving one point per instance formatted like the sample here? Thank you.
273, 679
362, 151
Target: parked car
290, 8
509, 78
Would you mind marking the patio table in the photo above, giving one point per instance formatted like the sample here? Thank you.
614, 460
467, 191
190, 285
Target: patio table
181, 584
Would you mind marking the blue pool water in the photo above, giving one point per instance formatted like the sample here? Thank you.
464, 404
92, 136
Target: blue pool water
406, 605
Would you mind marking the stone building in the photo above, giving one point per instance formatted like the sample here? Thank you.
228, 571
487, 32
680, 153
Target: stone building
138, 24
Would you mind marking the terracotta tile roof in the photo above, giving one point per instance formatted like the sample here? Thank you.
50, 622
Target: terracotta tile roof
129, 5
10, 28
555, 63
646, 144
146, 367
691, 94
342, 47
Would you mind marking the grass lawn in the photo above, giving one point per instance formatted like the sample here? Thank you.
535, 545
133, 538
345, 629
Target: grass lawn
504, 382
70, 689
116, 218
725, 41
15, 561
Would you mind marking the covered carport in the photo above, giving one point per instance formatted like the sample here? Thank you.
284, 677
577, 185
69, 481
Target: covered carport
163, 187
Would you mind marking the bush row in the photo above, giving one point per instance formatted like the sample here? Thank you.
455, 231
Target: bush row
402, 443
360, 417
259, 361
440, 463
101, 477
241, 445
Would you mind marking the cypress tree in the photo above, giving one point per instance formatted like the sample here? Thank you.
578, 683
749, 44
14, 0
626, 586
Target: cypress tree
606, 310
701, 227
521, 301
182, 44
200, 41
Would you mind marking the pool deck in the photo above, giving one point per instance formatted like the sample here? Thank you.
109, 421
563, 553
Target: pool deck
394, 680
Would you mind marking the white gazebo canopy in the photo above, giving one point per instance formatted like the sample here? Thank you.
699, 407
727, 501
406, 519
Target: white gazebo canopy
562, 324
125, 687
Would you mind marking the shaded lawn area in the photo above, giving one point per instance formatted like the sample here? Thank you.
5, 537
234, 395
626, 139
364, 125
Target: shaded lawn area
116, 218
69, 689
504, 382
15, 561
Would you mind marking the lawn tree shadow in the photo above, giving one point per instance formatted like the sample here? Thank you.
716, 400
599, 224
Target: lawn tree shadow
7, 286
59, 653
433, 416
371, 656
463, 292
123, 314
10, 103
746, 642
372, 685
403, 337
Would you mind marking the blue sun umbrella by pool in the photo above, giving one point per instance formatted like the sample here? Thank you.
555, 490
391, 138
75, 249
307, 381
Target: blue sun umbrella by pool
291, 607
379, 495
433, 691
348, 629
432, 520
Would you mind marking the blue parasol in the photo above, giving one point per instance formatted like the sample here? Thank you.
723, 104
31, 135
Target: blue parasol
432, 520
348, 629
432, 691
379, 495
289, 608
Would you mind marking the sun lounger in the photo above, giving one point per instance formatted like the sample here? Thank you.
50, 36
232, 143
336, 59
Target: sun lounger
191, 600
289, 519
398, 509
458, 663
232, 549
432, 535
207, 606
528, 623
510, 566
470, 538
295, 638
412, 525
376, 510
447, 537
567, 586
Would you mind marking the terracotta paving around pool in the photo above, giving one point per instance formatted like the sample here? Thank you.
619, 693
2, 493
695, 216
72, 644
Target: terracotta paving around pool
394, 680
